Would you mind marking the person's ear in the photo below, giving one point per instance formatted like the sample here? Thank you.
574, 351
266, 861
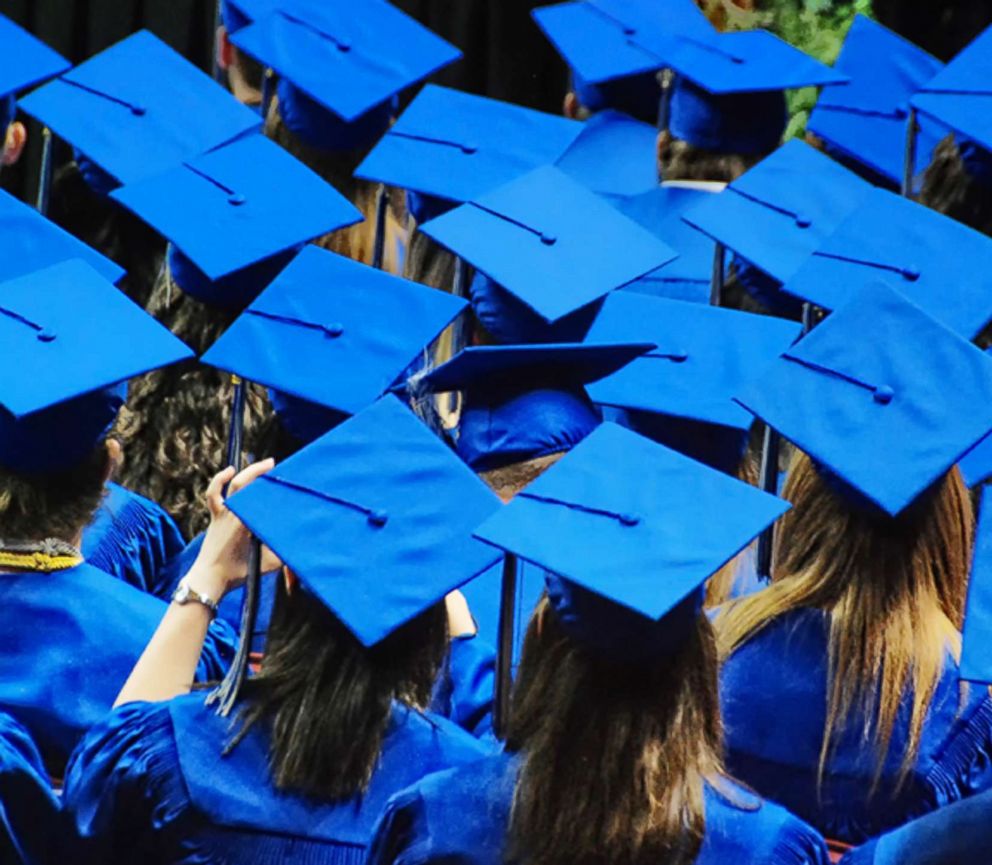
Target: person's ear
225, 50
663, 143
13, 145
570, 106
290, 579
115, 458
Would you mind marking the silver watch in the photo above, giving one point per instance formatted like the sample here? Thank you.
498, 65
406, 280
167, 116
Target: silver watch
184, 594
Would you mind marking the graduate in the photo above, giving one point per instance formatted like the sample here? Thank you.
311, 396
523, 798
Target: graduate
29, 808
840, 680
340, 75
373, 525
245, 75
69, 633
522, 408
613, 753
235, 218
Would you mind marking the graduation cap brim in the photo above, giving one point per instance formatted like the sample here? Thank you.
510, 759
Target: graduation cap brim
384, 322
579, 364
238, 205
551, 243
976, 647
32, 243
941, 265
881, 394
374, 577
458, 146
63, 317
705, 355
646, 496
28, 60
157, 109
346, 59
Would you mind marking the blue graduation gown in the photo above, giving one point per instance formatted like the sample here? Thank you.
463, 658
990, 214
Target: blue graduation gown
774, 696
68, 641
132, 538
460, 817
28, 807
150, 785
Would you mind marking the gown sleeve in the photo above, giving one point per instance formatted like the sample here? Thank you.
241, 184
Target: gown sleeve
218, 651
799, 844
465, 696
28, 807
402, 836
122, 783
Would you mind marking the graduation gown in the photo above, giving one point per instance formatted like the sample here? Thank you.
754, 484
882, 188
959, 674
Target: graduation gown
28, 807
68, 641
149, 784
774, 697
132, 538
460, 817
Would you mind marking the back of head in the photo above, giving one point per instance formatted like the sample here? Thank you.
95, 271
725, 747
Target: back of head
958, 183
615, 755
894, 589
327, 699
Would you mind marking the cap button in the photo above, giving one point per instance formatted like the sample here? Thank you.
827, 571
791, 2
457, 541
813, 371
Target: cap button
911, 273
237, 199
138, 110
46, 336
679, 356
334, 330
803, 221
883, 394
629, 31
343, 45
469, 149
629, 519
378, 518
548, 239
900, 114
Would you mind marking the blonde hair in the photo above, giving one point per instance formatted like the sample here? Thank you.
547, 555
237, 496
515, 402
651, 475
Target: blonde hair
893, 588
357, 241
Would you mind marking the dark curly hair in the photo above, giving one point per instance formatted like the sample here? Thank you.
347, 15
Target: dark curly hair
174, 426
948, 188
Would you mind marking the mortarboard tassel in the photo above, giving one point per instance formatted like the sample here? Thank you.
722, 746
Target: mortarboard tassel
504, 654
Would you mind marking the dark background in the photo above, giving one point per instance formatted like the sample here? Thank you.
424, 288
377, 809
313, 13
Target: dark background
506, 56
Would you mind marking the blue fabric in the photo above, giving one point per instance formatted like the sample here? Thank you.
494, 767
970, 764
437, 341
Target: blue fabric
132, 538
233, 292
636, 95
58, 438
461, 816
305, 421
525, 426
510, 321
29, 810
68, 641
465, 690
767, 290
774, 696
744, 123
31, 60
319, 127
976, 651
150, 782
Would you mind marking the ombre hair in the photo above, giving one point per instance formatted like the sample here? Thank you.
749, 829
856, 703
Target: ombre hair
893, 588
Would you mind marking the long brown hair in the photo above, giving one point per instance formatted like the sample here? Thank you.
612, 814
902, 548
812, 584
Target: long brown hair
338, 169
327, 699
615, 756
893, 588
948, 188
174, 426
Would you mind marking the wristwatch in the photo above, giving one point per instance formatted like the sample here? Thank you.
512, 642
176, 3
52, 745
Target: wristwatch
185, 594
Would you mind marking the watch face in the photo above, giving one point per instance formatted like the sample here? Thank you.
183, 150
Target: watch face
182, 594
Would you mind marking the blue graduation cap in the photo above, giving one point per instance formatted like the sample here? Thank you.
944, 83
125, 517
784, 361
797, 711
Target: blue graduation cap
457, 146
375, 519
976, 648
660, 212
62, 385
705, 356
614, 155
338, 65
779, 212
939, 264
881, 395
237, 14
524, 402
550, 242
615, 47
232, 211
958, 95
28, 61
32, 243
865, 120
139, 108
625, 527
332, 331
